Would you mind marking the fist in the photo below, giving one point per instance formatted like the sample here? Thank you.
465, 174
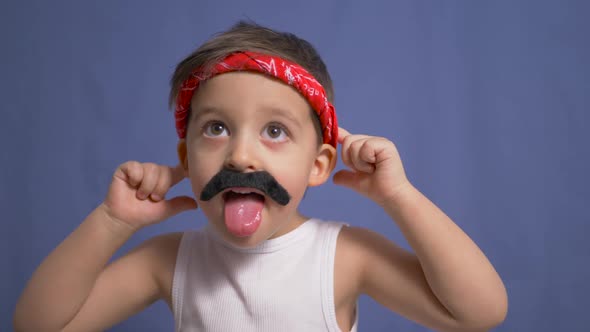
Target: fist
137, 191
375, 168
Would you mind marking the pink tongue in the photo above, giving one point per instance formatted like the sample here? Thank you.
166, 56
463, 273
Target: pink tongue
243, 213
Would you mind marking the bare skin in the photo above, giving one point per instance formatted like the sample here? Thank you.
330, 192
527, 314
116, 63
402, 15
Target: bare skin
446, 283
366, 263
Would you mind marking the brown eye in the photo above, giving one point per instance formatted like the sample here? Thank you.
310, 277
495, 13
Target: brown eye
215, 129
274, 131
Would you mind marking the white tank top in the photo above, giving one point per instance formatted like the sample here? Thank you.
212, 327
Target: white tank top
284, 284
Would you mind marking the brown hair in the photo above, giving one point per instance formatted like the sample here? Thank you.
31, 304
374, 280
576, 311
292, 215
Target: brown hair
249, 36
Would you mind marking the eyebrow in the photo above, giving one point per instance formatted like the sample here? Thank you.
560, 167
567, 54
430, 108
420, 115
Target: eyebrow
202, 111
284, 113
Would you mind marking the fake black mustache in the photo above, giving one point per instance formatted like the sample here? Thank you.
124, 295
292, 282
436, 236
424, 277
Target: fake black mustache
261, 180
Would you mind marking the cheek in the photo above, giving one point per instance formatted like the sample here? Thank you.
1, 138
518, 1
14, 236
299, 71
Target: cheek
293, 178
295, 188
201, 169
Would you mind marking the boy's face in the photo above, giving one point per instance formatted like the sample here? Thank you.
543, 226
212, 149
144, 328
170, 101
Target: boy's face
248, 122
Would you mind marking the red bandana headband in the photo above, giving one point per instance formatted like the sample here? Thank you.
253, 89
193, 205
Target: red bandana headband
288, 72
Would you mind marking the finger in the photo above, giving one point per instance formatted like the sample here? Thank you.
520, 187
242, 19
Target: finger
342, 134
169, 176
346, 152
346, 178
162, 186
351, 147
177, 205
130, 172
362, 155
377, 150
177, 174
368, 151
151, 173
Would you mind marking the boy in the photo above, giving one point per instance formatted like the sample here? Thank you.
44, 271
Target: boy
256, 128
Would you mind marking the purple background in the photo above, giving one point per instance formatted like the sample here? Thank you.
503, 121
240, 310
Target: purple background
487, 102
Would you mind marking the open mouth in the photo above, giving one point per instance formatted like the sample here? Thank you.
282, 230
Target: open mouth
242, 193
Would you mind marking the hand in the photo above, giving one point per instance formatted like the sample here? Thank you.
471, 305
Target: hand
376, 168
136, 194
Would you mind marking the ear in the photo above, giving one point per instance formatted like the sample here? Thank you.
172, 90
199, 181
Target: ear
323, 165
181, 149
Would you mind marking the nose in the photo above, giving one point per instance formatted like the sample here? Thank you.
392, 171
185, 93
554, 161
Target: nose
242, 155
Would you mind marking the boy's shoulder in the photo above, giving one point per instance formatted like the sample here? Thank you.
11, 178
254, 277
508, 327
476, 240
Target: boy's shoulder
164, 247
161, 251
351, 250
353, 241
360, 253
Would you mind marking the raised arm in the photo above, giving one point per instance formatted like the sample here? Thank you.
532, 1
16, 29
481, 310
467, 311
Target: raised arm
72, 289
447, 284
